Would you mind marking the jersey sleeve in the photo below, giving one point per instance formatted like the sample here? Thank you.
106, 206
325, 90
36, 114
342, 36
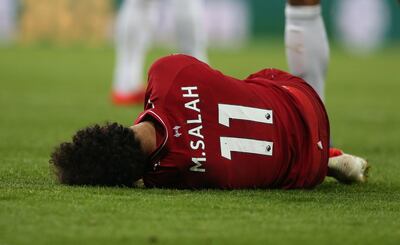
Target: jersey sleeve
162, 74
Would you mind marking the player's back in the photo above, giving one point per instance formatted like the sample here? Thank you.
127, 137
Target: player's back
223, 132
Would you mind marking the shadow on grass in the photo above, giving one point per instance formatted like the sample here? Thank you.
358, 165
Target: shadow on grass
328, 189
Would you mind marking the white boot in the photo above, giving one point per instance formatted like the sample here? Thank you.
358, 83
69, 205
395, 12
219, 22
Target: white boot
348, 168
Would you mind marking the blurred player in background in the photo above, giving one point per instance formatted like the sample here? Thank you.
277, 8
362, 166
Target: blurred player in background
135, 24
306, 42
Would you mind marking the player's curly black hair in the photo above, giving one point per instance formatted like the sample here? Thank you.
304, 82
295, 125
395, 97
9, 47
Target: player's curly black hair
107, 155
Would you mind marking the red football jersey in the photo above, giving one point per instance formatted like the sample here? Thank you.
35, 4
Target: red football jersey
215, 131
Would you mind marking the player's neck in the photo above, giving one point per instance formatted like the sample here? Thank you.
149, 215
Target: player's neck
146, 133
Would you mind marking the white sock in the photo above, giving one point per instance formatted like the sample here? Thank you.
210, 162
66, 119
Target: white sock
191, 35
134, 26
307, 47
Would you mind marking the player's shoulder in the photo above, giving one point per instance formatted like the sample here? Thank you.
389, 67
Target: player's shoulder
173, 62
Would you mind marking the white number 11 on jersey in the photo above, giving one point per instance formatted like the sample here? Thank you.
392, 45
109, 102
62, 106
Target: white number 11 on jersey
229, 144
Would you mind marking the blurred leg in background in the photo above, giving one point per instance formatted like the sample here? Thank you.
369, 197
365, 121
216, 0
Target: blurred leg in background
136, 23
306, 42
191, 34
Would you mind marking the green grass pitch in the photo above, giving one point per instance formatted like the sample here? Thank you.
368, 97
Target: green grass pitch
48, 93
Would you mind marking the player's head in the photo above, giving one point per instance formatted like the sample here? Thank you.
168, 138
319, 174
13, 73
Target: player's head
108, 155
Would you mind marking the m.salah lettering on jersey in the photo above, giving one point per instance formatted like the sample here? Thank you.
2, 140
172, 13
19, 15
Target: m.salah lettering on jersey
195, 126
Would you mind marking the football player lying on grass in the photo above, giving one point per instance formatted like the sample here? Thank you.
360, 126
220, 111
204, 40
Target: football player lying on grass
203, 129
